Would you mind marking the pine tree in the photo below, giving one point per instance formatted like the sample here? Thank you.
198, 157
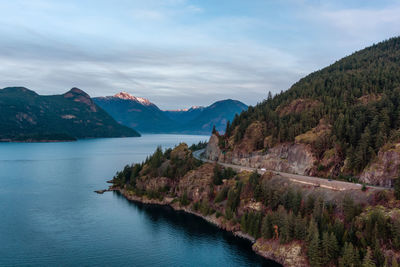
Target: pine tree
214, 131
314, 251
394, 262
329, 247
300, 228
378, 255
227, 129
312, 228
348, 259
386, 264
333, 246
367, 262
397, 188
266, 227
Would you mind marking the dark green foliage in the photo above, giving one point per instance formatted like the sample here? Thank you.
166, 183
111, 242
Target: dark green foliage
251, 223
234, 197
364, 187
198, 146
217, 179
314, 250
350, 209
358, 95
330, 247
221, 173
184, 200
221, 196
205, 208
350, 256
27, 116
267, 230
397, 188
177, 167
254, 179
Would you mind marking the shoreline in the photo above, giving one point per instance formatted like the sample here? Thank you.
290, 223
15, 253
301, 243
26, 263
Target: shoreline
257, 247
35, 141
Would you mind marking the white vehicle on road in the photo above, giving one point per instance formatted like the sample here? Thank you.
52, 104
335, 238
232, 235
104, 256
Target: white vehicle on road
263, 170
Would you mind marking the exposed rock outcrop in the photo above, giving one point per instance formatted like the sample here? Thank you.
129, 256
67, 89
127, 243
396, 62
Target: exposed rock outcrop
287, 255
287, 157
213, 151
292, 158
385, 167
78, 95
297, 106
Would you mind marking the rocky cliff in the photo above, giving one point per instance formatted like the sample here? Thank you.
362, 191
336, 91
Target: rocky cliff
287, 157
385, 168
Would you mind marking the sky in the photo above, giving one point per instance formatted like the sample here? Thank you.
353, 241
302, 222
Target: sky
179, 53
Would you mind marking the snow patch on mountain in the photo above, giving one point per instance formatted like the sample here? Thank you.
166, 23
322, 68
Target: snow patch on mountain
127, 96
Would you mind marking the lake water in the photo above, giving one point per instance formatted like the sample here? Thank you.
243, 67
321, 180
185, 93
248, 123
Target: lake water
49, 214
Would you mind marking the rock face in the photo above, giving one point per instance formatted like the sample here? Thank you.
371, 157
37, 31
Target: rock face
297, 106
291, 158
213, 151
385, 168
287, 157
287, 255
78, 95
196, 183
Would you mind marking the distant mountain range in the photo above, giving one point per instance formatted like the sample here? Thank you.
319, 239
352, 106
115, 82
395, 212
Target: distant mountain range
146, 117
27, 116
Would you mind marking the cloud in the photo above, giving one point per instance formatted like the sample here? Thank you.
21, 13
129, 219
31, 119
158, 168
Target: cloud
180, 53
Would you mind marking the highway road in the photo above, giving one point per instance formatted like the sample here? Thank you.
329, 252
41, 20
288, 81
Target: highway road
301, 179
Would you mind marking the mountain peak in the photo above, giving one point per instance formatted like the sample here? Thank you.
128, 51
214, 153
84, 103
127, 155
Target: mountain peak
76, 92
79, 95
127, 96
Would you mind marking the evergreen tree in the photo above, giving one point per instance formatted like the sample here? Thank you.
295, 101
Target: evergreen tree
314, 251
214, 131
329, 247
397, 188
228, 129
312, 229
349, 258
367, 262
267, 227
300, 228
333, 246
394, 262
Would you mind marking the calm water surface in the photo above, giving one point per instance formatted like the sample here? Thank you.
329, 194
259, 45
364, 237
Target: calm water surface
49, 214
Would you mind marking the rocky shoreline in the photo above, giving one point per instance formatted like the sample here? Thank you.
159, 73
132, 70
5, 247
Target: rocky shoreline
287, 256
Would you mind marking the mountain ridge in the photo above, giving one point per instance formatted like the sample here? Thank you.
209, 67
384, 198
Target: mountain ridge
344, 121
28, 116
149, 118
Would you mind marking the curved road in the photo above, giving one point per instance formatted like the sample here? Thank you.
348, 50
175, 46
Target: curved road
302, 179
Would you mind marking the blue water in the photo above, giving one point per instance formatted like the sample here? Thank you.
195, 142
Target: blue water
49, 214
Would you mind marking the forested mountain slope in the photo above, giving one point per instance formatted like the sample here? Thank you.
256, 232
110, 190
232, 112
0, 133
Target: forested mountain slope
27, 116
346, 115
135, 112
146, 117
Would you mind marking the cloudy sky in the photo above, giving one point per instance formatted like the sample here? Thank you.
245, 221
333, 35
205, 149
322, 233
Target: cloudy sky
180, 53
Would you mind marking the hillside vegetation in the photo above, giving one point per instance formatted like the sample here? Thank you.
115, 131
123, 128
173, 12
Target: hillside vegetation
294, 224
355, 100
27, 116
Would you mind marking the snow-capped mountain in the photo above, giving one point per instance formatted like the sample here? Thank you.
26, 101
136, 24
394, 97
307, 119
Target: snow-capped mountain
139, 113
127, 96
